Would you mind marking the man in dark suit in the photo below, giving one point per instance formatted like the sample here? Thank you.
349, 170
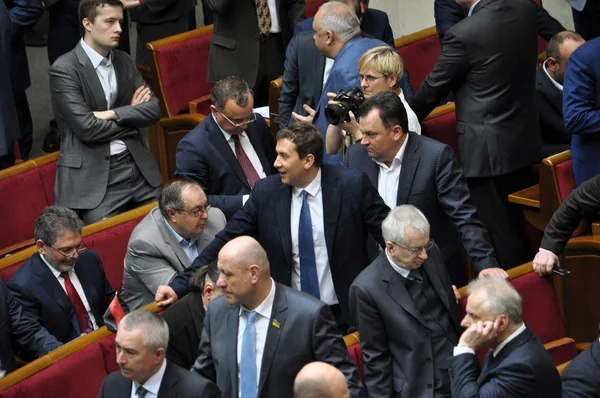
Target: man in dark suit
497, 126
20, 333
249, 40
261, 333
186, 317
141, 343
581, 109
581, 378
9, 122
63, 286
230, 149
549, 87
101, 102
517, 364
408, 168
406, 311
312, 219
586, 14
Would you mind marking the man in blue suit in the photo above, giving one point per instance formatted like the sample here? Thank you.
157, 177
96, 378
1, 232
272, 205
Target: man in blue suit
217, 151
63, 286
323, 252
581, 109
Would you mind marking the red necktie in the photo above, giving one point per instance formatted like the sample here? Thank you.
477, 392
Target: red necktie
85, 323
247, 168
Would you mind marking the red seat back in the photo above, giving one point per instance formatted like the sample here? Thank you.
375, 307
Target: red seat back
443, 129
7, 273
565, 180
107, 345
312, 6
419, 57
47, 175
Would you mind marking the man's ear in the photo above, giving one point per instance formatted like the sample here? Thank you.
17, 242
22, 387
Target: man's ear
41, 247
208, 289
553, 64
309, 160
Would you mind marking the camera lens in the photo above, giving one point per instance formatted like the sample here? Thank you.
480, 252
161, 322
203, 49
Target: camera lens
335, 113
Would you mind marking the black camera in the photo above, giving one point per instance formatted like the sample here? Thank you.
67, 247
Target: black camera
349, 100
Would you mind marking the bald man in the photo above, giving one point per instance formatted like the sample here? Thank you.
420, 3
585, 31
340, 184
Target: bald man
249, 332
320, 380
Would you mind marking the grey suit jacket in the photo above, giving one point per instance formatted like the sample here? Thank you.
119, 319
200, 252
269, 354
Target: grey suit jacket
305, 333
84, 161
397, 351
154, 257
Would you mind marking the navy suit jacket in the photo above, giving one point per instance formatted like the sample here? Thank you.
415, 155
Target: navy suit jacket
432, 180
581, 109
522, 369
581, 378
555, 137
352, 208
40, 293
205, 156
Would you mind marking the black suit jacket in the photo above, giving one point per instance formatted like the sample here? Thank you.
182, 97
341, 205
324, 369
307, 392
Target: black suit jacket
432, 180
20, 332
352, 208
305, 333
176, 383
493, 79
523, 368
205, 156
40, 293
581, 378
186, 320
550, 104
395, 347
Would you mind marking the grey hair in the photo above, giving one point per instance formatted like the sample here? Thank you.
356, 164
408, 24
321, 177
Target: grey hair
502, 298
155, 331
170, 196
394, 226
231, 87
339, 19
54, 221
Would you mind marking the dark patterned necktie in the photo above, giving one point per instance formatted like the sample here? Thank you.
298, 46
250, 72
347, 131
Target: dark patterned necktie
249, 170
141, 392
264, 16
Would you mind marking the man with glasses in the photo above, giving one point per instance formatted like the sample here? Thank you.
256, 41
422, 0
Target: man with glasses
230, 150
167, 240
63, 285
407, 314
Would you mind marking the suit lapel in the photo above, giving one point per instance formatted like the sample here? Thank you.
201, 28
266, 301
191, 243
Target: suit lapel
408, 170
254, 137
490, 363
91, 79
120, 75
285, 199
233, 319
168, 383
331, 194
169, 239
88, 283
273, 333
218, 140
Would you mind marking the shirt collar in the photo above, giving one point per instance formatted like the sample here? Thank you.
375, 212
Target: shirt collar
225, 133
180, 239
473, 7
508, 340
400, 270
54, 271
265, 308
554, 82
312, 188
93, 55
397, 159
153, 383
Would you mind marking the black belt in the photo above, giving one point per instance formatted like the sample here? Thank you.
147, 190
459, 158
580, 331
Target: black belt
265, 36
120, 156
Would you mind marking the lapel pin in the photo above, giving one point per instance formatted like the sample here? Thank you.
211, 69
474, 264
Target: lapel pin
275, 323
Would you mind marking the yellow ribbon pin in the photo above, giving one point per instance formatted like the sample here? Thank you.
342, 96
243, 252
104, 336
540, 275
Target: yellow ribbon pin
276, 324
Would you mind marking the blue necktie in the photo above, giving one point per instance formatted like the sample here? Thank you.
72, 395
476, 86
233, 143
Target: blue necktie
309, 283
248, 359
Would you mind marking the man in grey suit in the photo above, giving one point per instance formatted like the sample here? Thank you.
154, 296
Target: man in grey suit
101, 102
406, 312
167, 240
260, 334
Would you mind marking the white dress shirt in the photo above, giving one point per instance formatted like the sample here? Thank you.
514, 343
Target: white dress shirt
413, 121
261, 326
389, 177
275, 28
315, 203
461, 349
554, 82
106, 74
152, 385
403, 272
473, 7
328, 65
76, 285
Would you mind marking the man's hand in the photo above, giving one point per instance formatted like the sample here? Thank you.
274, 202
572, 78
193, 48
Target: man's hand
499, 272
130, 3
544, 261
106, 115
480, 334
165, 296
141, 95
309, 118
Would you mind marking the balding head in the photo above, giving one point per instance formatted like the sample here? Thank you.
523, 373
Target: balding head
334, 24
320, 380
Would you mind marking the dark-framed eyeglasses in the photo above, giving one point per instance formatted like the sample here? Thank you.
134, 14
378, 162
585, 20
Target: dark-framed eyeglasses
197, 212
69, 253
240, 122
419, 249
370, 79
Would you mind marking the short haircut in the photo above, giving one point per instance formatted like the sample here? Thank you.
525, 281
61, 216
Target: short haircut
170, 195
88, 9
232, 87
155, 331
307, 138
208, 273
502, 298
55, 221
556, 42
339, 19
385, 60
391, 109
394, 226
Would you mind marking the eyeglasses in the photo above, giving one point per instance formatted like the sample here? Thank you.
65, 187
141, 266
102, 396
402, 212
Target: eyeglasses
417, 250
250, 119
196, 212
370, 79
79, 249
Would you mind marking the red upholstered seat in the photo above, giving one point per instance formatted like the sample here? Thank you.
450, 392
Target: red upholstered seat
47, 175
565, 180
6, 273
419, 57
107, 345
312, 6
443, 129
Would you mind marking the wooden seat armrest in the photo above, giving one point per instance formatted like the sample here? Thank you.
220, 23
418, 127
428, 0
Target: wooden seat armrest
12, 249
529, 197
596, 229
555, 343
194, 104
562, 367
180, 120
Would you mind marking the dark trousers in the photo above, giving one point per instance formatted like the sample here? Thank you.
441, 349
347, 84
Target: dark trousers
270, 67
587, 21
25, 122
340, 319
7, 160
503, 220
63, 28
208, 14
